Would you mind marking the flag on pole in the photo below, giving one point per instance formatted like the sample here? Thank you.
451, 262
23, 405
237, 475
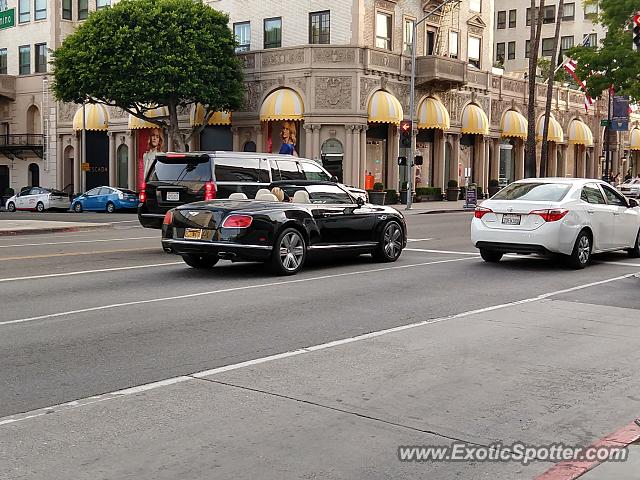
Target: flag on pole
570, 66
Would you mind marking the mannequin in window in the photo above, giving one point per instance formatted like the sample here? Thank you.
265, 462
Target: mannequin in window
288, 136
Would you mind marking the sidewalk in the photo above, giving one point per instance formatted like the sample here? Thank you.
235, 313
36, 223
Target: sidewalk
25, 227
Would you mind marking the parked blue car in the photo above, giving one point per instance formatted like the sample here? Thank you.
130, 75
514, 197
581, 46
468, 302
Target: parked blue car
105, 199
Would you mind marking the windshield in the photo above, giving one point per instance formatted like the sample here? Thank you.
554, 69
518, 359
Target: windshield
127, 192
192, 169
328, 194
534, 192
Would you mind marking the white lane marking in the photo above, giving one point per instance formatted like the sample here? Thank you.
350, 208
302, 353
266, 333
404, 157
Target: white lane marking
621, 264
79, 241
444, 252
86, 272
419, 239
224, 290
292, 353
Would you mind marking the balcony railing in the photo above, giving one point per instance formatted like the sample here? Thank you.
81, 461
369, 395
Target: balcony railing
15, 145
441, 72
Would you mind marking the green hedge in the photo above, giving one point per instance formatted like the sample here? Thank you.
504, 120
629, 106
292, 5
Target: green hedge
392, 197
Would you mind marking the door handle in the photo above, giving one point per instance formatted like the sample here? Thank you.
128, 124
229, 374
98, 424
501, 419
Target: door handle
332, 214
616, 214
590, 212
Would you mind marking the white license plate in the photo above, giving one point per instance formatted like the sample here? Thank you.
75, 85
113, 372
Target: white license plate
193, 233
511, 219
173, 196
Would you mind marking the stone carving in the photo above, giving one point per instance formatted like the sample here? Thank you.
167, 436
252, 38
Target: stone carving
385, 60
386, 4
366, 86
299, 82
401, 92
183, 110
279, 58
115, 112
333, 93
67, 111
475, 30
334, 55
248, 60
495, 83
252, 93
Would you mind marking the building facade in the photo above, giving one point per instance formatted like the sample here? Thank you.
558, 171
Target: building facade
334, 75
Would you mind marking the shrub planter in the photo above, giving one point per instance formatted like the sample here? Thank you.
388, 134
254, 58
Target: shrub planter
452, 194
403, 196
377, 198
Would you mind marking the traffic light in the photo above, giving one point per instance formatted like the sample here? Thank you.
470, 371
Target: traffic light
418, 160
405, 133
402, 161
636, 32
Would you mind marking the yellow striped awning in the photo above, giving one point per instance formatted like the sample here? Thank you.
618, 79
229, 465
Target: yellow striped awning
283, 104
513, 125
196, 117
634, 139
433, 114
580, 134
136, 123
555, 130
96, 117
385, 108
474, 121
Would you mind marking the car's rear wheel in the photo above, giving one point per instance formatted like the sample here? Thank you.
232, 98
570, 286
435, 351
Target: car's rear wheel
581, 254
11, 207
289, 253
77, 207
111, 207
40, 207
490, 256
390, 244
200, 261
635, 251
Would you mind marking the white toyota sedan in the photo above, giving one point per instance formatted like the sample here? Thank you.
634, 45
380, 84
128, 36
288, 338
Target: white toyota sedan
567, 216
38, 199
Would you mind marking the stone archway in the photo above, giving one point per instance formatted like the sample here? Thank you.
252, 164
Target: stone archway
67, 169
34, 123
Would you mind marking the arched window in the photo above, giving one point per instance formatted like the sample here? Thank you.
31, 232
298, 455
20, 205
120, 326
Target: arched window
33, 120
332, 157
34, 175
123, 166
249, 147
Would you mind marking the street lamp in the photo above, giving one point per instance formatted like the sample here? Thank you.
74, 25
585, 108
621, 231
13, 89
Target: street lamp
412, 95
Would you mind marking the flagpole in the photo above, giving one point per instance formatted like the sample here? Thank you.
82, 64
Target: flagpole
566, 60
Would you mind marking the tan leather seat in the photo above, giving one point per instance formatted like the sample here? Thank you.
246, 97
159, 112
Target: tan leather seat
262, 191
237, 196
301, 196
267, 197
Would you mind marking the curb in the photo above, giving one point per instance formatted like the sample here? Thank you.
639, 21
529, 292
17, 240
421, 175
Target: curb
32, 231
572, 469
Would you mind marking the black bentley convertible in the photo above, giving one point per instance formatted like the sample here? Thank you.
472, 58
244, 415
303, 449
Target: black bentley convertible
311, 217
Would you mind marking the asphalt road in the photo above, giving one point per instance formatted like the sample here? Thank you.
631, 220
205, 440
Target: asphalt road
84, 314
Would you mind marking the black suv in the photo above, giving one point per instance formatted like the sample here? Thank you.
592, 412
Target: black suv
179, 178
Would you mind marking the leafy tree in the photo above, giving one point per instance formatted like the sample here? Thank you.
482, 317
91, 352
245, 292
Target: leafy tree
613, 62
142, 54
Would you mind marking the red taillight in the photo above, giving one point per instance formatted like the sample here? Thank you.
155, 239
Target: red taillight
209, 191
168, 218
551, 215
481, 212
237, 221
142, 195
176, 155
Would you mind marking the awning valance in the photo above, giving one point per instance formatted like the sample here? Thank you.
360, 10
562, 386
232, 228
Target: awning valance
474, 121
513, 125
283, 104
385, 108
555, 130
218, 118
96, 117
433, 114
634, 139
580, 134
136, 123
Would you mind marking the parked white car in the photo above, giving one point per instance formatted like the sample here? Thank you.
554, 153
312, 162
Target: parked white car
572, 217
38, 199
630, 188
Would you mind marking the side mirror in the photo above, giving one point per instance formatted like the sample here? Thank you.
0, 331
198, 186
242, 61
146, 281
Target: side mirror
633, 203
335, 179
360, 201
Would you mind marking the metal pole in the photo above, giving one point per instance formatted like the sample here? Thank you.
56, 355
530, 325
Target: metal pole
84, 148
412, 97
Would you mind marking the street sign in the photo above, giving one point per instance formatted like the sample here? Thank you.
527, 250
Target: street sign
86, 167
620, 118
8, 18
471, 197
604, 123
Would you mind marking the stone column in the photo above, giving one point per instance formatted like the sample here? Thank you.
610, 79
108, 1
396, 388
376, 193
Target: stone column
355, 172
60, 164
363, 156
392, 162
553, 160
494, 173
131, 161
235, 131
112, 159
455, 158
439, 149
259, 140
561, 164
349, 160
479, 167
519, 155
315, 129
77, 157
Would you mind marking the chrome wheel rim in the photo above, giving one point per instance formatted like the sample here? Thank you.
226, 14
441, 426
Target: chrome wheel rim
392, 240
110, 208
584, 249
77, 207
291, 251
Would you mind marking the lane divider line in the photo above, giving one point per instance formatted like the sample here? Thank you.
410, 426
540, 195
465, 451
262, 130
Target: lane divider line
71, 254
78, 241
207, 373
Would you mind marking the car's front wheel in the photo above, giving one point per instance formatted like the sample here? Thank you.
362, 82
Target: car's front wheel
490, 256
289, 252
77, 207
11, 207
635, 251
581, 254
40, 207
390, 244
111, 207
200, 261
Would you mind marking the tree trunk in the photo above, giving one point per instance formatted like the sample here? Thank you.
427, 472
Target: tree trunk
177, 141
547, 108
536, 28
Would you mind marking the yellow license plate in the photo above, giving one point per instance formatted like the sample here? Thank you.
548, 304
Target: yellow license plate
193, 233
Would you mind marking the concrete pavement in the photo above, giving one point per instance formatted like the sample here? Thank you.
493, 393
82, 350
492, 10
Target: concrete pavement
24, 227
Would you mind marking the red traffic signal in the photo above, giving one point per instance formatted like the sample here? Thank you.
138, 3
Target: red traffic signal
405, 133
405, 126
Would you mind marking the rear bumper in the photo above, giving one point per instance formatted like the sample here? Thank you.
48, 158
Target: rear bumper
513, 247
221, 249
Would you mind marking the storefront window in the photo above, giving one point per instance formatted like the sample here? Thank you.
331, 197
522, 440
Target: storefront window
332, 158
